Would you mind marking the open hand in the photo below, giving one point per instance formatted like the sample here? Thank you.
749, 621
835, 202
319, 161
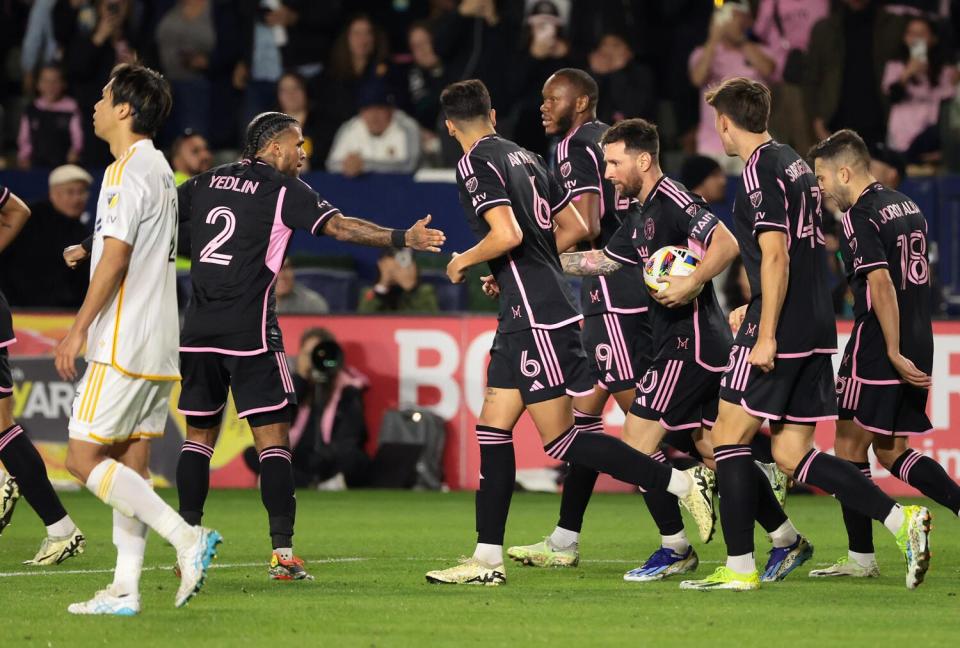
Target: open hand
66, 354
909, 371
421, 237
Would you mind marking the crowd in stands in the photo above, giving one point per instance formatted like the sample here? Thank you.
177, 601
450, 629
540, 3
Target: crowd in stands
364, 76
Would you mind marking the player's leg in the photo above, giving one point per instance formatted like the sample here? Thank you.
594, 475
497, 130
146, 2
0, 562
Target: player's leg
26, 474
920, 471
203, 398
852, 444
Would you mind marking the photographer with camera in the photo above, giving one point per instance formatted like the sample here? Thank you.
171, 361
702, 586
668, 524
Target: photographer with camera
329, 432
398, 287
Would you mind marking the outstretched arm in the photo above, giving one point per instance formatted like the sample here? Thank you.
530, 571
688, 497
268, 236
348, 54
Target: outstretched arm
588, 263
363, 232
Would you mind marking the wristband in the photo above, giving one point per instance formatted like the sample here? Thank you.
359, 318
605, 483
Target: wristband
398, 238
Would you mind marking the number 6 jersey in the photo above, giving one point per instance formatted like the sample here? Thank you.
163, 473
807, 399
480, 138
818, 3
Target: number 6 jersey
885, 230
241, 217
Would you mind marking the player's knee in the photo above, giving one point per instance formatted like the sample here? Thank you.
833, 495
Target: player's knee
203, 427
787, 458
77, 467
887, 456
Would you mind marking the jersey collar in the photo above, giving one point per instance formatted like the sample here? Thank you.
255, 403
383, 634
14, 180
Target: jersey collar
654, 190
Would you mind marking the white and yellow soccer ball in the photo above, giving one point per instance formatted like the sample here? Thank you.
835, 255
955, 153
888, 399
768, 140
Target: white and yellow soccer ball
668, 261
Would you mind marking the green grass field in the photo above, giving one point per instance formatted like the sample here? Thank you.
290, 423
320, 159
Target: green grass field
369, 551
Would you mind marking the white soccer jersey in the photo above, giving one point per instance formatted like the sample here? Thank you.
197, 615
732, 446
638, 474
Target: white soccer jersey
138, 332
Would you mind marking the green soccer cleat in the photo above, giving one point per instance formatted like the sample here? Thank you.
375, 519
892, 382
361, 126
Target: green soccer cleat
699, 501
9, 495
470, 571
777, 479
725, 579
913, 538
54, 551
544, 554
846, 567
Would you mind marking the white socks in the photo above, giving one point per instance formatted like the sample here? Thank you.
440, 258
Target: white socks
131, 495
130, 539
865, 560
562, 538
61, 528
285, 553
678, 542
680, 483
489, 554
784, 535
744, 564
894, 519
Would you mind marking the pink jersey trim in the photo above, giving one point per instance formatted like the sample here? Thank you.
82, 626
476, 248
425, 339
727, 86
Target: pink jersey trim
806, 354
258, 410
696, 340
6, 390
596, 164
876, 430
570, 392
871, 265
617, 257
230, 352
551, 327
758, 413
490, 164
810, 419
195, 413
673, 428
7, 343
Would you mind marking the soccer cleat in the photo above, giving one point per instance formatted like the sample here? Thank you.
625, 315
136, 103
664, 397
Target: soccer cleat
292, 569
108, 602
777, 479
9, 495
913, 538
544, 554
664, 562
470, 571
724, 578
699, 501
846, 567
784, 560
194, 563
54, 551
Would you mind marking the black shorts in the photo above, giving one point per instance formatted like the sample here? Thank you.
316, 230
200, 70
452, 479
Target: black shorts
6, 376
893, 409
679, 394
620, 347
542, 363
261, 384
798, 390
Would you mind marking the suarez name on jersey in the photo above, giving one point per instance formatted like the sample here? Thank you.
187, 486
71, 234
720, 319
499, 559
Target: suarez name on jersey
241, 217
779, 193
579, 170
886, 230
533, 291
671, 215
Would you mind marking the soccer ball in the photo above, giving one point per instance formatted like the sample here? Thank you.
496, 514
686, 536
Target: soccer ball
668, 261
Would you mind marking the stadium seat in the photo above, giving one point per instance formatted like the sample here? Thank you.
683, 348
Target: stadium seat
338, 287
450, 297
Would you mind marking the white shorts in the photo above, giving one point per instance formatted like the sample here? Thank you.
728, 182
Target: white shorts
111, 407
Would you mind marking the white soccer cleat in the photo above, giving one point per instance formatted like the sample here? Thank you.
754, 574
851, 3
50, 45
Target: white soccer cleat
699, 501
544, 554
54, 551
470, 571
108, 602
194, 563
9, 495
844, 567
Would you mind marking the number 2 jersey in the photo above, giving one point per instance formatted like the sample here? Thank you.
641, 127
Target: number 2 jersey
779, 193
533, 290
579, 170
886, 230
241, 217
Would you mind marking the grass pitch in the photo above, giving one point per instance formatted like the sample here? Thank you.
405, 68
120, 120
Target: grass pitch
369, 552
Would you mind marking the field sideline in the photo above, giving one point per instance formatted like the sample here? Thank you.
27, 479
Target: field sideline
370, 549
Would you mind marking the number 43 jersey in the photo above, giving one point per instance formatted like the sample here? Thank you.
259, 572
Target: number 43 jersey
241, 217
886, 230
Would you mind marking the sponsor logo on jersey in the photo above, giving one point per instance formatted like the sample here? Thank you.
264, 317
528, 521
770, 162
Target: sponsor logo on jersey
565, 169
472, 184
756, 198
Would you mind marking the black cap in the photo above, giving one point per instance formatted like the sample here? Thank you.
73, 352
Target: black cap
696, 169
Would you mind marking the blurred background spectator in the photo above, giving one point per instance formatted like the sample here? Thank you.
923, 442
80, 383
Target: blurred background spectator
185, 40
426, 79
50, 130
189, 156
398, 288
292, 99
626, 86
728, 52
294, 298
702, 175
32, 271
381, 139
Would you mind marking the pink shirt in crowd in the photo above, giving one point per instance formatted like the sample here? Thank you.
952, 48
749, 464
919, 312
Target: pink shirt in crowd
727, 63
919, 110
66, 104
797, 17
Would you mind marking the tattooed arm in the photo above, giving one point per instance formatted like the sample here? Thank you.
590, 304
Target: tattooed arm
588, 263
363, 232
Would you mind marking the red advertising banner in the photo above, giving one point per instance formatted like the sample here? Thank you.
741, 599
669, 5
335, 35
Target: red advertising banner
434, 363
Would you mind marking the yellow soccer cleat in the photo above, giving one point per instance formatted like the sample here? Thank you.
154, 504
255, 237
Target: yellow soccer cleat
725, 578
844, 567
544, 554
470, 571
699, 501
54, 551
913, 538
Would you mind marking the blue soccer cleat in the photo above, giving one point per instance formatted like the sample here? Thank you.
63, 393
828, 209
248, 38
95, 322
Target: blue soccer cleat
784, 560
664, 562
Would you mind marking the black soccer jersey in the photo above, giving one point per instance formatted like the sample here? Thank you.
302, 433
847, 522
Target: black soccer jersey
6, 319
580, 169
533, 291
671, 215
241, 217
779, 193
885, 229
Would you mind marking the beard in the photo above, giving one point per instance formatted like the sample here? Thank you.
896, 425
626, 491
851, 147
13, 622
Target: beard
564, 122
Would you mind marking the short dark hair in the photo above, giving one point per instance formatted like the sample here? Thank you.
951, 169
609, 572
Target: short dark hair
181, 139
745, 101
263, 128
147, 92
584, 84
637, 135
465, 100
844, 142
